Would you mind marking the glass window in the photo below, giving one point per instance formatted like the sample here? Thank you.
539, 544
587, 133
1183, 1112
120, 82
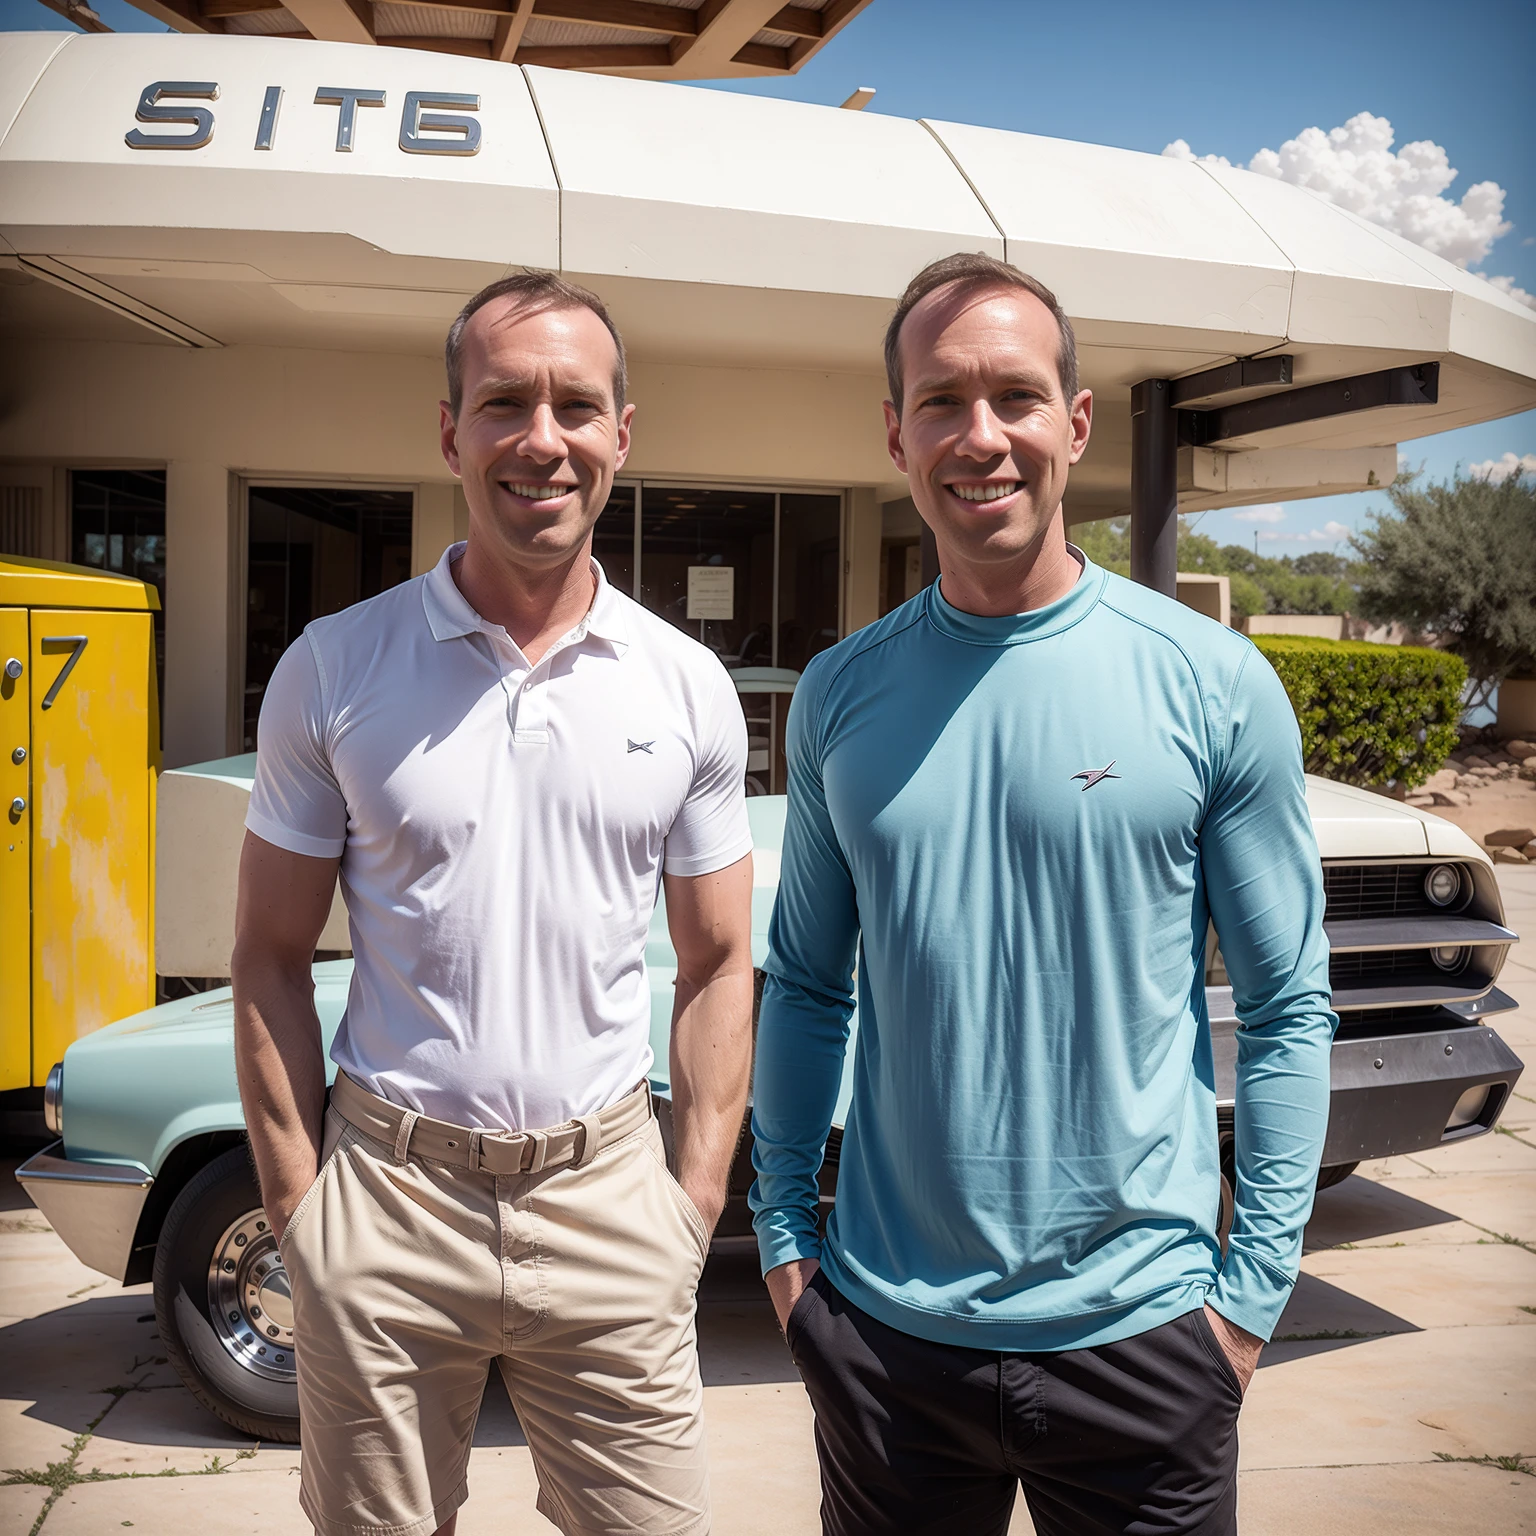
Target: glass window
706, 564
613, 540
810, 576
313, 550
117, 523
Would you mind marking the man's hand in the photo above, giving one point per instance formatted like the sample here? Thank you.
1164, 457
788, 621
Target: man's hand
785, 1283
1239, 1346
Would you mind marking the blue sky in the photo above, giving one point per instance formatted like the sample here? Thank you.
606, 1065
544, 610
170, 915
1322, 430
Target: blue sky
1229, 80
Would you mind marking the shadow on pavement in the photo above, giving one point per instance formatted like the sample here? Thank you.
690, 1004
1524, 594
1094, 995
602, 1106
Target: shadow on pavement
1359, 1210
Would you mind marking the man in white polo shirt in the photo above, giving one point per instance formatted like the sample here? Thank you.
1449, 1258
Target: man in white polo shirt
503, 759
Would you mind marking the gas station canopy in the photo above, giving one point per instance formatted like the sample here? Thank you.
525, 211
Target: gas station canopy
223, 191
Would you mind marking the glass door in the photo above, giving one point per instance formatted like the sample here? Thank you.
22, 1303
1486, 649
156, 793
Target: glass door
310, 551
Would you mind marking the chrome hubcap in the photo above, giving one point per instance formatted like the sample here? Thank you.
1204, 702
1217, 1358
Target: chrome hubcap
249, 1301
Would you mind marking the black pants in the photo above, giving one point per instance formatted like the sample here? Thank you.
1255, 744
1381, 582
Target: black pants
1138, 1438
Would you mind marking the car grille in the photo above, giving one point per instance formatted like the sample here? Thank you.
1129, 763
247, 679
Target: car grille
1377, 890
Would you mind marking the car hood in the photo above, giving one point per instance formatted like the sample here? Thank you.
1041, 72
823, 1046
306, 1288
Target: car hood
1357, 824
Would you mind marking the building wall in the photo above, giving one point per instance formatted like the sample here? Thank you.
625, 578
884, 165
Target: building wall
217, 417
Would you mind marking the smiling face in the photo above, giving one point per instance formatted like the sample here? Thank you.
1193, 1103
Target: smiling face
538, 437
985, 435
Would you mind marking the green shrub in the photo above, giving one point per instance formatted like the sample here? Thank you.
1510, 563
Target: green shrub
1370, 715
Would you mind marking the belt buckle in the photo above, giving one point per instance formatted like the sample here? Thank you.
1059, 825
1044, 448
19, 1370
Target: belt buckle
539, 1142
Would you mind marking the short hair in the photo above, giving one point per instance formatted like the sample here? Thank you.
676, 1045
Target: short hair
533, 291
974, 271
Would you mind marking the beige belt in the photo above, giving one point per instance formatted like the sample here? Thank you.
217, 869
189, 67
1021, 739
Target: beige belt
498, 1152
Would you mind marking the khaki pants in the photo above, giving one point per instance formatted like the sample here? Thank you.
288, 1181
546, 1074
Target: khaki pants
410, 1277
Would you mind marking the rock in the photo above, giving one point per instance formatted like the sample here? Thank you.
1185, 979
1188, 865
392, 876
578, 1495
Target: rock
1509, 856
1449, 797
1529, 762
1509, 837
1422, 802
1445, 779
1516, 747
1530, 849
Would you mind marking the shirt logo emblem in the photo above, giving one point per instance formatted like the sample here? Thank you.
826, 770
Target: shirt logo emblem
645, 746
1091, 776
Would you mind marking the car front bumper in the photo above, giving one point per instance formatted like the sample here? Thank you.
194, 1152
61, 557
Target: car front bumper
94, 1207
1396, 1093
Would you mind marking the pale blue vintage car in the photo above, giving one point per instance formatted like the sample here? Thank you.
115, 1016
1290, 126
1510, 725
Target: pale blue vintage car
151, 1178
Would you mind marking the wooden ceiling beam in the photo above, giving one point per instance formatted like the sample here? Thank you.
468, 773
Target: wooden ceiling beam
667, 20
509, 32
797, 21
597, 56
725, 28
211, 9
762, 56
465, 47
476, 7
335, 21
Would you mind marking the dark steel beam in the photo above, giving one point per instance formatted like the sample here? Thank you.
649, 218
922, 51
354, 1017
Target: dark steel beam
1415, 385
1243, 373
1154, 486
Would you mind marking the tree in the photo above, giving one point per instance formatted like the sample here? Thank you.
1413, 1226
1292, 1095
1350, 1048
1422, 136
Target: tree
1318, 582
1458, 560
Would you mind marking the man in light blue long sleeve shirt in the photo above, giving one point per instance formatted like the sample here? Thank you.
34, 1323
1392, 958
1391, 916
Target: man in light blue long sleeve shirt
1016, 802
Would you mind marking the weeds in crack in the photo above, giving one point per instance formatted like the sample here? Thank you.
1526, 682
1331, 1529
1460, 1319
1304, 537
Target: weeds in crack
1504, 1130
1502, 1237
1531, 1310
60, 1476
1523, 1464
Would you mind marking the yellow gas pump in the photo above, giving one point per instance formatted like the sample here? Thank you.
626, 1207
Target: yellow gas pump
79, 751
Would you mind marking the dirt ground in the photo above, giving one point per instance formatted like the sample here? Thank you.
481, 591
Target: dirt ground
1508, 803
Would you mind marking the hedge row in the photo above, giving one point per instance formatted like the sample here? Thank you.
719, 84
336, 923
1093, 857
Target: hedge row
1370, 715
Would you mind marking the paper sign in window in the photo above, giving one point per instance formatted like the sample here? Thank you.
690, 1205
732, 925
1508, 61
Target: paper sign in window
711, 591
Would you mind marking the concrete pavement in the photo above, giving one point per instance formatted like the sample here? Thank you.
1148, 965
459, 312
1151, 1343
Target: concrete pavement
1398, 1398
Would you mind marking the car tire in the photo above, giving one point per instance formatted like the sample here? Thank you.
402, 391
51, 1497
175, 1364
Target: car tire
216, 1243
1334, 1173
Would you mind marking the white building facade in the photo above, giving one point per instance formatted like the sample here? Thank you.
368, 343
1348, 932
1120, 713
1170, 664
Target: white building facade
227, 266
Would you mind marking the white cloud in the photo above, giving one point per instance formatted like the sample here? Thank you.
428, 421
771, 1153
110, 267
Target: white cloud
1355, 167
1329, 533
1508, 285
1271, 512
1497, 471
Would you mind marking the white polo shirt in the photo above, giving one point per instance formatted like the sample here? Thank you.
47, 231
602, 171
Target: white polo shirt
502, 831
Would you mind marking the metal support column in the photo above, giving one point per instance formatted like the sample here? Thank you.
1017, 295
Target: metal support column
1154, 486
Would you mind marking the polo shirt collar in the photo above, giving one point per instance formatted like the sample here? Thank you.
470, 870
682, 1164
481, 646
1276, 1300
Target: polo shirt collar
449, 615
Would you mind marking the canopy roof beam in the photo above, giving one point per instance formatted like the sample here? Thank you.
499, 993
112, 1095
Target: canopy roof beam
1159, 427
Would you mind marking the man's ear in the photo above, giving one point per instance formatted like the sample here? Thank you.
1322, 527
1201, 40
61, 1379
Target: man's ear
1082, 423
893, 444
448, 436
626, 417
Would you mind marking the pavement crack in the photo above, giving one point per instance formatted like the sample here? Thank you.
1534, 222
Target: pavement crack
1519, 1463
1504, 1130
1502, 1237
60, 1476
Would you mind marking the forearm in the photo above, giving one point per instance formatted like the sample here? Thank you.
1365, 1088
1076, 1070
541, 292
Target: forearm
802, 1039
711, 1065
280, 1065
1280, 1120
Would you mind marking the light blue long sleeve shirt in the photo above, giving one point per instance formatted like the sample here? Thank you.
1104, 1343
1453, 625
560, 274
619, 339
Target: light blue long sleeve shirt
1030, 1160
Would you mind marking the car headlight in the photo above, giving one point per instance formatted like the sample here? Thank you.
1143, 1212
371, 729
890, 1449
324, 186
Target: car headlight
53, 1099
1443, 884
1449, 957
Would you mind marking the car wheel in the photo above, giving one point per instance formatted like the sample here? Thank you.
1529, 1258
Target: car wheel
1335, 1173
222, 1302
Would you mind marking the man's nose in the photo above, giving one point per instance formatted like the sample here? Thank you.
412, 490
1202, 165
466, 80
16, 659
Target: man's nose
983, 436
542, 440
